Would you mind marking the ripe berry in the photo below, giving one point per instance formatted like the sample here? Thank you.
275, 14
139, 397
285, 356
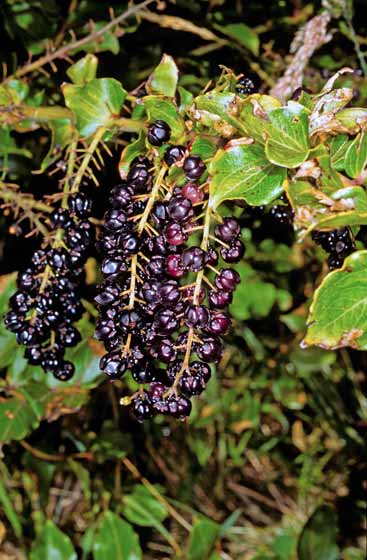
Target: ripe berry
192, 384
175, 235
194, 167
180, 209
60, 218
210, 350
219, 299
282, 214
64, 372
158, 133
165, 321
138, 176
335, 261
196, 316
219, 323
227, 279
234, 252
113, 365
121, 196
175, 266
193, 258
142, 408
245, 86
228, 230
174, 154
80, 205
115, 220
193, 193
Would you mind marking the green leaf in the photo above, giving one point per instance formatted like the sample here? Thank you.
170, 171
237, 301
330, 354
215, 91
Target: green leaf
132, 150
338, 148
52, 544
95, 104
253, 298
217, 110
288, 142
202, 540
254, 114
318, 538
243, 34
62, 134
164, 79
9, 511
22, 412
159, 108
116, 539
203, 147
186, 99
107, 42
84, 70
338, 315
242, 171
142, 509
356, 156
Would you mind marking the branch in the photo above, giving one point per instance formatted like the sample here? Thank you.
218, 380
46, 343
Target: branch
65, 50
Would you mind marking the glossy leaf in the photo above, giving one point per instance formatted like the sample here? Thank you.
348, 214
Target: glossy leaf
338, 148
217, 110
164, 79
84, 70
242, 171
115, 538
202, 539
288, 142
128, 154
95, 104
52, 544
318, 538
356, 156
254, 115
338, 314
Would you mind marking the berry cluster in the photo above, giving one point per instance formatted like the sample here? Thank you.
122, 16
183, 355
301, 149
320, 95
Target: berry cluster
282, 214
47, 303
338, 243
162, 304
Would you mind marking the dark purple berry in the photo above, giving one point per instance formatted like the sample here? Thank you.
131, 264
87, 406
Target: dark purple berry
233, 253
193, 258
174, 154
80, 205
158, 133
228, 230
194, 167
196, 316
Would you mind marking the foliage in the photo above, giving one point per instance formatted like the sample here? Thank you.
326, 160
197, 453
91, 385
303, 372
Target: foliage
268, 466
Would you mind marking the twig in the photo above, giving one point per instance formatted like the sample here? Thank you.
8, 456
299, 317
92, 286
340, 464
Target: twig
63, 51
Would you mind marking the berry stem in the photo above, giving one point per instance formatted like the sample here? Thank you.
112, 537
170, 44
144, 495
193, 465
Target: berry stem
153, 195
87, 157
